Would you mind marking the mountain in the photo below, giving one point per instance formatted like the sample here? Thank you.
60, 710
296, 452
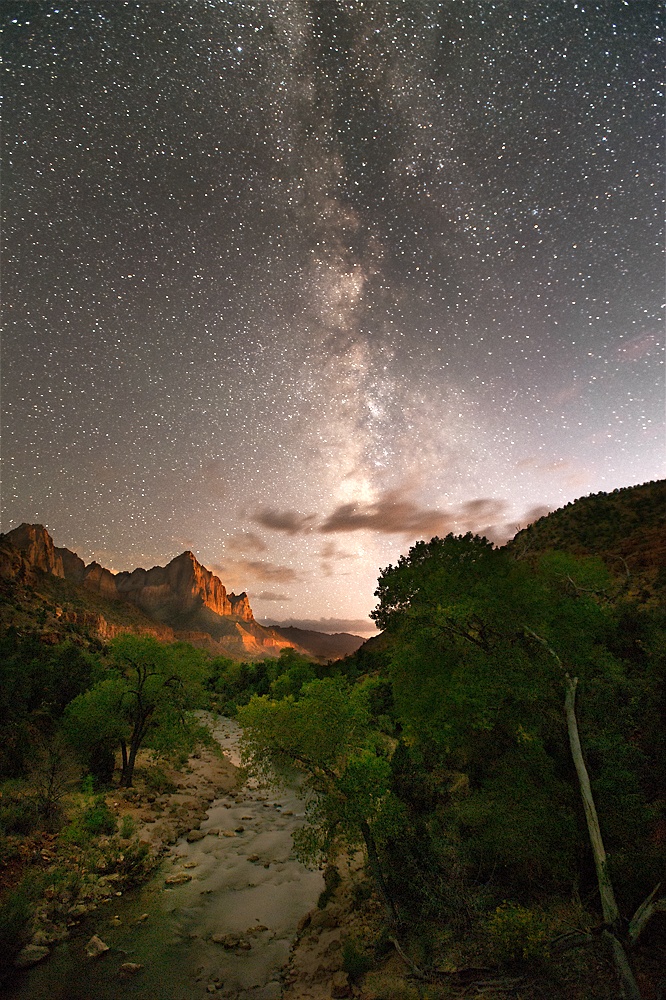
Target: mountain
182, 600
321, 644
626, 528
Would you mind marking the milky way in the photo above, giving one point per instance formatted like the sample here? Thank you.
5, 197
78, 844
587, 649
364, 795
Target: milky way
292, 284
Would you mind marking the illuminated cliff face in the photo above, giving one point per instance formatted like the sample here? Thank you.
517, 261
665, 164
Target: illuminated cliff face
183, 584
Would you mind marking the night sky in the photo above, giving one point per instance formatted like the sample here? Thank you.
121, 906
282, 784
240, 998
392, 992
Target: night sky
293, 283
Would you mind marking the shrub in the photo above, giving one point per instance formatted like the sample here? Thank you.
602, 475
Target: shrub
95, 820
127, 826
157, 781
19, 814
518, 934
331, 881
355, 961
15, 914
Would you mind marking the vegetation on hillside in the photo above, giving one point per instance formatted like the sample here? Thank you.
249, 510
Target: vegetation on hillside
511, 792
498, 754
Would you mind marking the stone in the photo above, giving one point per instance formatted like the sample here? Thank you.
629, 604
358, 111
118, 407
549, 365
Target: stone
30, 955
304, 922
191, 864
340, 987
178, 878
96, 947
231, 941
130, 968
227, 833
324, 919
195, 835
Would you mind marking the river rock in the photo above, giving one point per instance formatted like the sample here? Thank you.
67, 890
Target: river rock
340, 985
129, 968
230, 941
30, 955
96, 947
178, 878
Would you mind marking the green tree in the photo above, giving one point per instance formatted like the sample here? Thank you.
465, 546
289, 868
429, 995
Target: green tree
325, 736
487, 649
145, 701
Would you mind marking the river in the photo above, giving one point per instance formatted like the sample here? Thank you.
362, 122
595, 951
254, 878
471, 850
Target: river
246, 890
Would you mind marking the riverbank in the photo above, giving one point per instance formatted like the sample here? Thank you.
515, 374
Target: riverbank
220, 914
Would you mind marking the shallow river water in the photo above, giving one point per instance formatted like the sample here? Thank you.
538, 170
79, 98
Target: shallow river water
248, 885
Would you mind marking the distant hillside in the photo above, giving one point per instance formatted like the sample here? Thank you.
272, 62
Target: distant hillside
321, 644
627, 528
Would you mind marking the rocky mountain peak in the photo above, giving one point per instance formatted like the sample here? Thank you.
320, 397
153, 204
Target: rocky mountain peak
182, 586
36, 546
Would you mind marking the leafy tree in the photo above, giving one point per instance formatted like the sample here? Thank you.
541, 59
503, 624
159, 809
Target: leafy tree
146, 700
485, 649
325, 736
37, 681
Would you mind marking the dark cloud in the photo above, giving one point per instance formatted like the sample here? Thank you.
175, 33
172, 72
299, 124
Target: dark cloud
255, 569
533, 514
357, 626
289, 521
246, 541
270, 595
391, 514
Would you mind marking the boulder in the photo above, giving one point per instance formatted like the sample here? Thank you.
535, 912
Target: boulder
340, 987
96, 947
178, 878
30, 955
129, 968
194, 835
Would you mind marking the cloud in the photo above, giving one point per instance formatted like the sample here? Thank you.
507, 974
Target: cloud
239, 570
246, 541
289, 521
362, 626
391, 514
270, 595
330, 555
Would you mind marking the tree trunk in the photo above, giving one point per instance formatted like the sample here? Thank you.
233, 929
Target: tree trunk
376, 869
609, 906
123, 751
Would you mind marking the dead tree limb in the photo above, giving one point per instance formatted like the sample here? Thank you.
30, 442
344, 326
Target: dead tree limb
645, 912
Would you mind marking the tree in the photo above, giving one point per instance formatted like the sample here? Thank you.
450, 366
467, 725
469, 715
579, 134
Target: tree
487, 649
145, 700
325, 737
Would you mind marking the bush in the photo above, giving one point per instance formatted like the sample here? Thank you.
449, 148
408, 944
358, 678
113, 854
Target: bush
95, 821
157, 781
15, 914
355, 961
518, 934
331, 881
127, 826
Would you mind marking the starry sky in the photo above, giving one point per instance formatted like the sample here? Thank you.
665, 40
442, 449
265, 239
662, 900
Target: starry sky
294, 283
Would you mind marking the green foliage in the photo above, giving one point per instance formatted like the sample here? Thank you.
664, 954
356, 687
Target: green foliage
325, 735
479, 645
127, 827
15, 915
517, 933
332, 880
37, 682
145, 701
19, 810
95, 820
157, 781
355, 960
